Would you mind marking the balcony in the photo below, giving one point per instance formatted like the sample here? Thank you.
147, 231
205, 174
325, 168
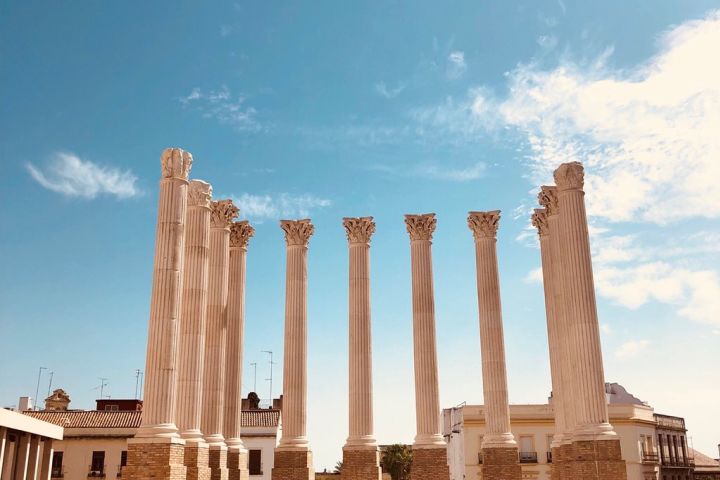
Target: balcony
57, 473
649, 457
96, 471
548, 457
528, 457
480, 458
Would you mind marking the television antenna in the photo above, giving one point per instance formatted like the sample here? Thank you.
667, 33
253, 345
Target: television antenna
271, 374
37, 389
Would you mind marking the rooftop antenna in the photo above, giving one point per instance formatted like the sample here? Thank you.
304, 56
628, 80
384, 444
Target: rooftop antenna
50, 383
254, 365
37, 389
103, 384
142, 376
271, 373
138, 374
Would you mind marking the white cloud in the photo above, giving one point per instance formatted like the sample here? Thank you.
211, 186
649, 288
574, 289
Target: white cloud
456, 66
224, 107
547, 42
606, 329
382, 89
632, 348
282, 205
443, 172
72, 176
534, 276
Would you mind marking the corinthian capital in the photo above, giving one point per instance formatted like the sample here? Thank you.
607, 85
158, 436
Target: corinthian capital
359, 229
176, 163
570, 176
540, 221
240, 233
548, 198
484, 224
199, 194
297, 232
421, 227
222, 213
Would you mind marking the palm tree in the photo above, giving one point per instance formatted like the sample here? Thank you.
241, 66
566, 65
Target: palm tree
396, 460
338, 467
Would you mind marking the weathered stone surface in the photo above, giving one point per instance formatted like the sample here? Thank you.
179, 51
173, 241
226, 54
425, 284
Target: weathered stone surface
430, 464
562, 462
597, 460
293, 465
501, 464
361, 464
218, 463
197, 457
237, 463
161, 461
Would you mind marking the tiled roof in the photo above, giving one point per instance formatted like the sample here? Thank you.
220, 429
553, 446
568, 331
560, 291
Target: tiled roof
702, 460
260, 418
89, 418
131, 419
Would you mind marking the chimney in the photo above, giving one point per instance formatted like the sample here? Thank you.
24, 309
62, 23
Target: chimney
25, 403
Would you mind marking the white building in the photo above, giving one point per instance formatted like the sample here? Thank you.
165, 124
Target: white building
533, 426
26, 446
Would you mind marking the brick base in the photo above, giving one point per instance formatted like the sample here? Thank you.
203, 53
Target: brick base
501, 464
361, 464
293, 465
237, 463
563, 462
196, 461
430, 464
218, 463
598, 460
155, 461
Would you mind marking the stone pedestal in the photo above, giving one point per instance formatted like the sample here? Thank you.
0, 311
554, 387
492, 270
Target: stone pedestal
218, 462
597, 460
430, 464
157, 450
293, 465
197, 458
237, 463
501, 464
155, 461
361, 464
562, 462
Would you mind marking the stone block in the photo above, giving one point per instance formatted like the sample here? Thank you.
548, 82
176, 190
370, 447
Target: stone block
501, 464
293, 465
598, 460
155, 461
237, 463
430, 464
218, 463
197, 459
361, 464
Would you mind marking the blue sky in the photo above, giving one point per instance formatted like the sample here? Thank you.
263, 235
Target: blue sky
328, 109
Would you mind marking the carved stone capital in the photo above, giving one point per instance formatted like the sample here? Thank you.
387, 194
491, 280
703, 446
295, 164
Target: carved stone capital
570, 176
240, 233
176, 163
548, 198
199, 194
540, 221
222, 213
359, 229
297, 232
484, 224
421, 227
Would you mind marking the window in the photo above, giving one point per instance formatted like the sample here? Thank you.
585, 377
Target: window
112, 408
97, 467
527, 449
255, 462
56, 468
123, 458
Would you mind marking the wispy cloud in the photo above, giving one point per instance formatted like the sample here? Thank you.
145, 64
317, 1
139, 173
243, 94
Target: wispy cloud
547, 42
277, 206
224, 107
382, 89
444, 172
632, 348
68, 174
534, 276
456, 65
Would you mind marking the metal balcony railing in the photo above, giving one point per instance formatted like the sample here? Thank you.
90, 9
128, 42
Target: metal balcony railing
480, 458
548, 457
96, 471
528, 457
649, 457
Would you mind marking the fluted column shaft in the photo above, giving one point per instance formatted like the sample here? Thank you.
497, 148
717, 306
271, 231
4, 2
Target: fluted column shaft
427, 395
222, 214
194, 312
359, 231
240, 232
589, 386
497, 411
541, 220
160, 367
297, 234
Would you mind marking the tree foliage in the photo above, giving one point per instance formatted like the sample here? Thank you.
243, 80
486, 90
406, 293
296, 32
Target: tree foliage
396, 460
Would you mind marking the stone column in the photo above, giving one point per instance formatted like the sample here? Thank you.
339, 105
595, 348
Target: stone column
34, 458
240, 233
157, 451
361, 455
540, 221
46, 462
429, 449
23, 456
222, 214
563, 401
499, 449
293, 459
596, 447
192, 330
